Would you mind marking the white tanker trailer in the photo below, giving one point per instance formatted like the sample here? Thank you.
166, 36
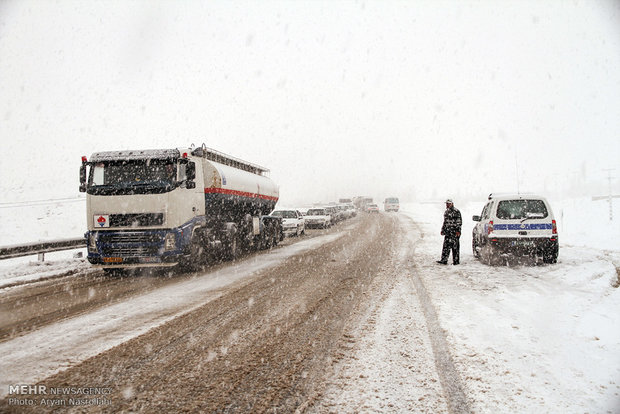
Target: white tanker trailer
157, 208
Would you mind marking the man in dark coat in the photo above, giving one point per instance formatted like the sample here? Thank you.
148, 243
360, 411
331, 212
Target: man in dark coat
451, 230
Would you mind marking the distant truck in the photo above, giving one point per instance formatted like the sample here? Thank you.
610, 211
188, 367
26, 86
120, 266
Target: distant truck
159, 208
391, 204
361, 202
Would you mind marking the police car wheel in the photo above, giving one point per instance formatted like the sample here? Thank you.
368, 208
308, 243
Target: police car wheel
489, 256
549, 259
474, 248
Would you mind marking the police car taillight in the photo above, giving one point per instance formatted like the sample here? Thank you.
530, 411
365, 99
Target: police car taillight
554, 228
490, 227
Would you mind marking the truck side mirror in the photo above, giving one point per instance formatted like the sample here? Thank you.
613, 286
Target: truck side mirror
190, 171
476, 218
82, 178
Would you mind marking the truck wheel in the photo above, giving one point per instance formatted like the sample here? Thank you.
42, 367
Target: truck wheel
245, 232
233, 249
277, 235
196, 256
258, 243
268, 237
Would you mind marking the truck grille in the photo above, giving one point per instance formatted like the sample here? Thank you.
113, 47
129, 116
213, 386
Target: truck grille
129, 251
129, 238
128, 244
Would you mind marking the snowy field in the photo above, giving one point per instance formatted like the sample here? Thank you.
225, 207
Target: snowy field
30, 222
532, 338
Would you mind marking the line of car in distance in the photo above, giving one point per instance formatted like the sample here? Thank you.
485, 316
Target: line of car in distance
389, 204
296, 221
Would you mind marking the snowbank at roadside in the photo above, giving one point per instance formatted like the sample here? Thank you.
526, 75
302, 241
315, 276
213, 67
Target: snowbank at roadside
530, 338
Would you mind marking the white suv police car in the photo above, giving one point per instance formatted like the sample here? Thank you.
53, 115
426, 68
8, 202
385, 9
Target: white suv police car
515, 225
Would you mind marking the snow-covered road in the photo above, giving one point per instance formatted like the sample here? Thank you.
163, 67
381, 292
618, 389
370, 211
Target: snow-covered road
421, 337
46, 351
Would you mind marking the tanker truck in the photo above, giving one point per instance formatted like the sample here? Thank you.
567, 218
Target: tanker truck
169, 207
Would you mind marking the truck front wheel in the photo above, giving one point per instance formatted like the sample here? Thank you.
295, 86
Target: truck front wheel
196, 254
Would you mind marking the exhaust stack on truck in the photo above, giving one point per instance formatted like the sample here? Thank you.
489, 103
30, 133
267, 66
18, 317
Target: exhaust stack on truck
156, 208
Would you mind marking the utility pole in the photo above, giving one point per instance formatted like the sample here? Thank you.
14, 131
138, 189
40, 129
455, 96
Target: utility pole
611, 209
610, 196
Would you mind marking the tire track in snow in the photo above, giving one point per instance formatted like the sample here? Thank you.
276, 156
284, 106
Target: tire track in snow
448, 374
385, 360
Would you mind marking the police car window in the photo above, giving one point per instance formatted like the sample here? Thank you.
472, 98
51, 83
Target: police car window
486, 213
520, 209
485, 210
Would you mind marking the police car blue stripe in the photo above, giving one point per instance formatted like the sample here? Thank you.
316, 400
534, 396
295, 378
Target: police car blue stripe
538, 226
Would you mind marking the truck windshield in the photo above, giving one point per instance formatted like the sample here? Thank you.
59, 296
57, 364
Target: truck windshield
133, 176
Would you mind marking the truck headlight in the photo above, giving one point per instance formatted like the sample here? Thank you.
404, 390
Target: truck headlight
92, 243
170, 242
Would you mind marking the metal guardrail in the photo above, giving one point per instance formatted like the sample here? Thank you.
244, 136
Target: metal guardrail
40, 248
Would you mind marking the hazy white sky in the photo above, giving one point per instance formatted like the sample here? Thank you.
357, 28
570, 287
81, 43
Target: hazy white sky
337, 98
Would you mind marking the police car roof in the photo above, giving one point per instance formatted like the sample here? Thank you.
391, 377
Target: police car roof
514, 196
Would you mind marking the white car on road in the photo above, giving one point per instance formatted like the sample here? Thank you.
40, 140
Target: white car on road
318, 217
293, 223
